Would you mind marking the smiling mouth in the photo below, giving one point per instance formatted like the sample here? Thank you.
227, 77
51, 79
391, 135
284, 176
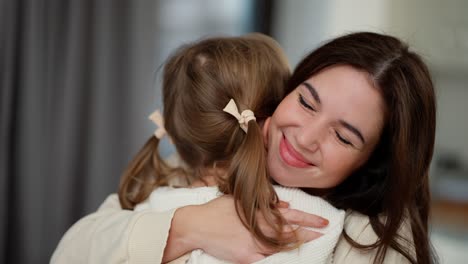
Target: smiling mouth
290, 156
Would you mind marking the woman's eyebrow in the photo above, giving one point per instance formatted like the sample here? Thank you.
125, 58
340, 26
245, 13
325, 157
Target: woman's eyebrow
353, 130
312, 91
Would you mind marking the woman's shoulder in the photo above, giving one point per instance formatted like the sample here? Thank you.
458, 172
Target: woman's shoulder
358, 227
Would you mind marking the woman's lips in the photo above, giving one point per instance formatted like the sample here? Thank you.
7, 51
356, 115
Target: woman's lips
290, 156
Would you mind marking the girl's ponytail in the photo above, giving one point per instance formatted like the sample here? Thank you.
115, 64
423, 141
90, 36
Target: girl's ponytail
146, 171
249, 183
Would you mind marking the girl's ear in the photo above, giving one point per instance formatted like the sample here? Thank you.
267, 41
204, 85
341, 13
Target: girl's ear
265, 128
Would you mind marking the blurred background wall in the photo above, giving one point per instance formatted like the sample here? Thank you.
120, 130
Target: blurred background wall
79, 77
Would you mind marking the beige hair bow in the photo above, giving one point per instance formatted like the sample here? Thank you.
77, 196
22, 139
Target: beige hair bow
157, 118
243, 118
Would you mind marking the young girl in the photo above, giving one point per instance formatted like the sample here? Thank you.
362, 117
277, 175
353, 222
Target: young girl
216, 94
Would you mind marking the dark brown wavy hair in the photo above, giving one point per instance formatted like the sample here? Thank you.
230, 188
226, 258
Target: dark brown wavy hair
199, 79
394, 181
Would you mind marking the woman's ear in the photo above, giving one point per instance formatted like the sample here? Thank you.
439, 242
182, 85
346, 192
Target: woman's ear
265, 128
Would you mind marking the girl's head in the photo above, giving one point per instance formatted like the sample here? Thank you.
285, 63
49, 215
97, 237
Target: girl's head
359, 124
199, 80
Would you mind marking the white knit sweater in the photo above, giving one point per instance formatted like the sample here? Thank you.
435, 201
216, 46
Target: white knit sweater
316, 251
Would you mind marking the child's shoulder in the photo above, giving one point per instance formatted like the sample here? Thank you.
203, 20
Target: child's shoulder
305, 202
166, 197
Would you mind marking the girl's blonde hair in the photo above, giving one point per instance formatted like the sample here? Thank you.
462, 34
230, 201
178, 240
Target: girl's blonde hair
199, 79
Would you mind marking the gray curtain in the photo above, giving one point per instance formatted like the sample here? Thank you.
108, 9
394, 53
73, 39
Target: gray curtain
76, 86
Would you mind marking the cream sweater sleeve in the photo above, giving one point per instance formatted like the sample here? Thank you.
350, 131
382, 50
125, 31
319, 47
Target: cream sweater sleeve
358, 227
113, 235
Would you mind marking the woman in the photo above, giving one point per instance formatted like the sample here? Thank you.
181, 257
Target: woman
362, 133
393, 182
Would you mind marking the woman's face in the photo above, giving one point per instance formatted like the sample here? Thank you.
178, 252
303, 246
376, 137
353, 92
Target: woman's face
325, 129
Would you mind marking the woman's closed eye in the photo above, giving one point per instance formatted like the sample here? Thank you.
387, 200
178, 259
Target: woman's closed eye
342, 139
305, 104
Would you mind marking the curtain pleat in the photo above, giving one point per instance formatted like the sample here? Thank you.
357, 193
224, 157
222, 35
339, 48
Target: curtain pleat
76, 86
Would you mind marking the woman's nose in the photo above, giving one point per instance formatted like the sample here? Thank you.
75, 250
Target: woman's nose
310, 136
